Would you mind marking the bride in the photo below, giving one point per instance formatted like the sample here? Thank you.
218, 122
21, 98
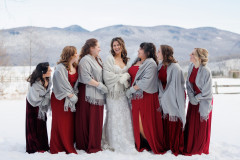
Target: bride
118, 131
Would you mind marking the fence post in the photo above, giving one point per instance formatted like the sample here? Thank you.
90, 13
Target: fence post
216, 88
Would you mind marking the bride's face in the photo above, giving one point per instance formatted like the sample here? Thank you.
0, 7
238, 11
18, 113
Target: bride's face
117, 48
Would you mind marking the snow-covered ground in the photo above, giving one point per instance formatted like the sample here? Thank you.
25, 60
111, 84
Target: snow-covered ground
226, 81
225, 139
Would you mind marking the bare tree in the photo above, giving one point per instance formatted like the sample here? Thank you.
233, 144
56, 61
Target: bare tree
34, 48
30, 49
4, 58
4, 61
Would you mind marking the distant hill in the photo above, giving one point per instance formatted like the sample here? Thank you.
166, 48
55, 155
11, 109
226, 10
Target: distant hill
46, 44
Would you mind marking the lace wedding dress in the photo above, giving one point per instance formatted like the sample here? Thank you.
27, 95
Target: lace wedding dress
118, 130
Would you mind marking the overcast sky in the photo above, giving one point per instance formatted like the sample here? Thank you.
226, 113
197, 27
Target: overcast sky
94, 14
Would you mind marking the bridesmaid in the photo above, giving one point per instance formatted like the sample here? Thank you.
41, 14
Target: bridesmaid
89, 111
199, 114
172, 99
147, 121
63, 102
37, 105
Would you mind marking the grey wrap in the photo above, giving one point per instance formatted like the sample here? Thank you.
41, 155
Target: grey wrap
172, 99
146, 79
62, 87
204, 83
89, 69
38, 96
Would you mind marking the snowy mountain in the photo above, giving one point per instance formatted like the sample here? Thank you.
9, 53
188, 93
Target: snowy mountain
75, 28
46, 44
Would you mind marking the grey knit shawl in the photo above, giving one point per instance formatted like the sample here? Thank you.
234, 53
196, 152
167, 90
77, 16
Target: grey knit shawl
146, 79
62, 87
38, 96
172, 99
204, 83
111, 77
89, 69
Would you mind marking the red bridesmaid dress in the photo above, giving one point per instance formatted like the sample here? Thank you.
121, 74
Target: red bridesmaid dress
151, 120
173, 130
197, 132
36, 130
62, 133
89, 122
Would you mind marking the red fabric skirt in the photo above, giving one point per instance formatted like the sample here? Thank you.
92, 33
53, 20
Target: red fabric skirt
36, 131
151, 122
197, 133
89, 121
173, 135
62, 133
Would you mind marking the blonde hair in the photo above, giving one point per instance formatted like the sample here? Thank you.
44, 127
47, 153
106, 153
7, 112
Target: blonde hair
66, 56
202, 55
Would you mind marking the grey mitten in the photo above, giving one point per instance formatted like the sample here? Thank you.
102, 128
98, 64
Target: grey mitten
45, 102
193, 100
130, 91
42, 93
74, 99
102, 88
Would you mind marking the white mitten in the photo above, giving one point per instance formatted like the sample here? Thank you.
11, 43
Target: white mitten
126, 84
124, 78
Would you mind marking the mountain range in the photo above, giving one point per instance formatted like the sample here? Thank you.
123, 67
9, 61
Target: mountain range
46, 44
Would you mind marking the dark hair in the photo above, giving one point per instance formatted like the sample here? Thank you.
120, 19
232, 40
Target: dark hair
124, 51
37, 74
86, 49
66, 55
167, 53
149, 50
135, 61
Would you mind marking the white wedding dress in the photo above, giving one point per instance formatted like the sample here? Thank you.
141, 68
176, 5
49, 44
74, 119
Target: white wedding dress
118, 130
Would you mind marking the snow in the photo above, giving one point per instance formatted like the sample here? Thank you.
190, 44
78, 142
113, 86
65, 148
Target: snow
225, 140
226, 81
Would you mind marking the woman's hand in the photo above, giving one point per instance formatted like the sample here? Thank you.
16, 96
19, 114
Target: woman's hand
70, 95
45, 83
136, 87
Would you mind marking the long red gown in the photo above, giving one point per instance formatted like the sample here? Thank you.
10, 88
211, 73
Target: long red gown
36, 131
151, 120
62, 133
89, 122
173, 130
197, 132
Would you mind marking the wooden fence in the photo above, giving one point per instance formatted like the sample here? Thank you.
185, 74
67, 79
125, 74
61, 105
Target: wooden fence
216, 86
12, 79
